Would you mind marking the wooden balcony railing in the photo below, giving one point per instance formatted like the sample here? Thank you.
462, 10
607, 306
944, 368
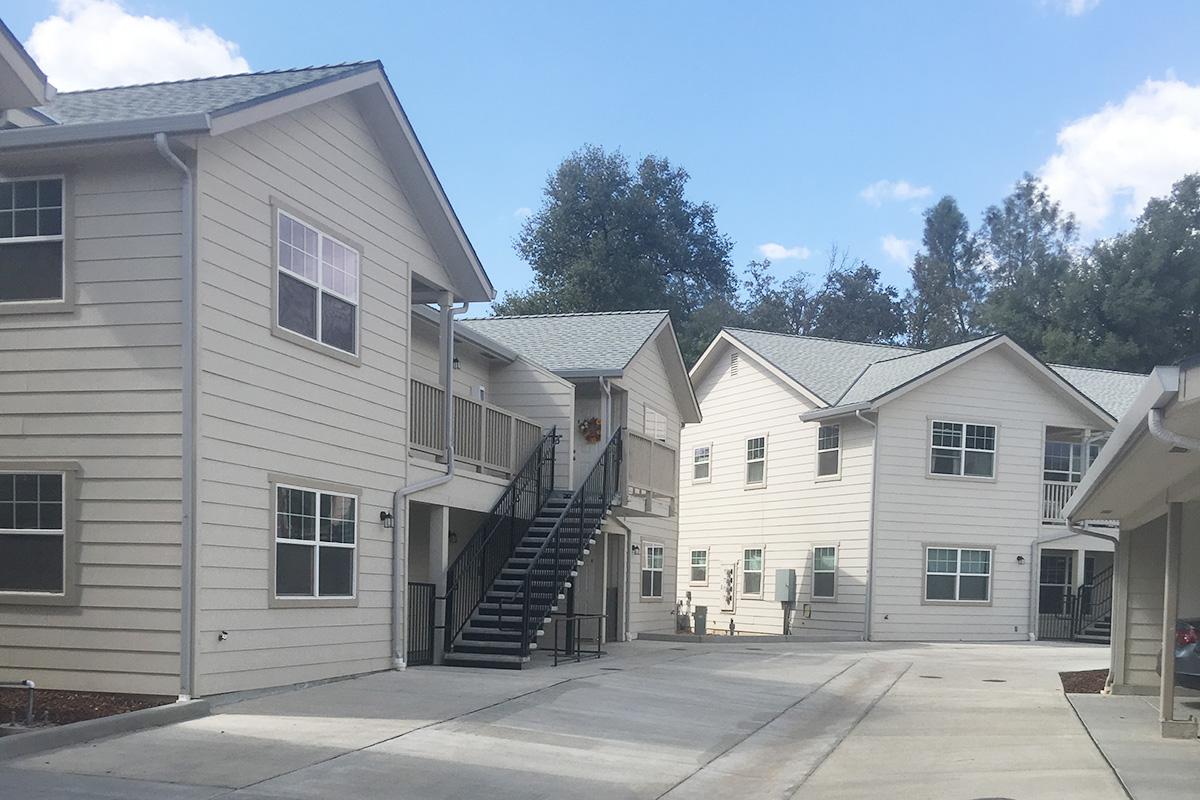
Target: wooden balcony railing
1055, 495
485, 436
651, 473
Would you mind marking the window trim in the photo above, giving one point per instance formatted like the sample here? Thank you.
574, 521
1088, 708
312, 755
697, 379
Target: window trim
70, 594
832, 476
323, 228
67, 302
812, 589
746, 461
647, 411
963, 450
762, 571
645, 547
991, 575
691, 555
707, 462
275, 481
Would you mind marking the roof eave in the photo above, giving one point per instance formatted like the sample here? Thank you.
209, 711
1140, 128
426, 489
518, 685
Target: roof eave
88, 133
835, 411
589, 373
467, 334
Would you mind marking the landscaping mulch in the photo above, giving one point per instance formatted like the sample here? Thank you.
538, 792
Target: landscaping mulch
1088, 681
60, 707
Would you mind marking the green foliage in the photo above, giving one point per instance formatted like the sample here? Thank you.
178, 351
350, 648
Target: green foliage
940, 308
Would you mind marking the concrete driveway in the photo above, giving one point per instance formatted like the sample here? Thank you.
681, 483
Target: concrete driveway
651, 720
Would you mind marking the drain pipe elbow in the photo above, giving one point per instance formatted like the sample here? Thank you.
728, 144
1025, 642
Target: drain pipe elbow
1155, 421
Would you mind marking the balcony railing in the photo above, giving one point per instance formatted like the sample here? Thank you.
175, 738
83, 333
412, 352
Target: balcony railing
651, 474
1055, 495
486, 436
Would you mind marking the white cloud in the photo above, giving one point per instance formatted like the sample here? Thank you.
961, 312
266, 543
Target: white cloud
1127, 153
524, 212
897, 249
881, 192
1073, 8
777, 252
88, 44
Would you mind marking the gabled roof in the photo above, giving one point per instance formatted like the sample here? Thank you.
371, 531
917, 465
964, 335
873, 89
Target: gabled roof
1113, 391
22, 82
889, 374
574, 344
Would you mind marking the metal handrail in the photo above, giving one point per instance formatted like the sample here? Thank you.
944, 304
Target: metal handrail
481, 560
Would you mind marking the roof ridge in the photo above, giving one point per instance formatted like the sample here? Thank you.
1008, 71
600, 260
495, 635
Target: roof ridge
935, 349
912, 350
568, 314
216, 77
1101, 369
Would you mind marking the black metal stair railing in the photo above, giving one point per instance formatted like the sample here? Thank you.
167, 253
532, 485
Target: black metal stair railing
557, 557
1094, 601
471, 574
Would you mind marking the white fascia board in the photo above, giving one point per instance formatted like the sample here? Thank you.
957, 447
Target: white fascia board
55, 135
702, 365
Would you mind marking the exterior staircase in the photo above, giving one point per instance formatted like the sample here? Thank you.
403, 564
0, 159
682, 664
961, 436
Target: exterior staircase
517, 569
1098, 632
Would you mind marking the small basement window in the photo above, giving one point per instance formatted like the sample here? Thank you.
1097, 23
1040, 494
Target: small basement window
32, 268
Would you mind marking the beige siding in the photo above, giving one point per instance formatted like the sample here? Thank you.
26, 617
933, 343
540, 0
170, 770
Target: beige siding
472, 369
100, 386
270, 406
538, 394
645, 380
914, 509
648, 615
788, 517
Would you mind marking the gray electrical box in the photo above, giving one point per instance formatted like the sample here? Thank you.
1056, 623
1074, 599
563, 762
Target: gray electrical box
785, 585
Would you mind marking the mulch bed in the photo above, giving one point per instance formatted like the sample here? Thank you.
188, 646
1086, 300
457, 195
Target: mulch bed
1089, 681
60, 706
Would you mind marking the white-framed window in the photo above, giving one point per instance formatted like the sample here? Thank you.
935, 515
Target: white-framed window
33, 533
1064, 461
824, 585
316, 543
653, 555
962, 448
752, 572
32, 265
958, 574
829, 451
702, 464
700, 566
655, 424
318, 285
756, 461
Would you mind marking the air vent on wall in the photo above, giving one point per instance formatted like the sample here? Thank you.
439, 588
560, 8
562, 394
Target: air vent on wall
734, 360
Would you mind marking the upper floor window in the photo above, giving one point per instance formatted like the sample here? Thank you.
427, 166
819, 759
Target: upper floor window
315, 543
655, 424
32, 533
829, 450
962, 448
701, 464
318, 285
31, 241
1064, 460
756, 461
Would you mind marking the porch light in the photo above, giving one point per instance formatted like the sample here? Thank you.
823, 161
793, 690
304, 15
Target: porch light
457, 364
385, 518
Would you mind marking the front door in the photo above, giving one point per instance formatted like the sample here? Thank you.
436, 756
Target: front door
1054, 583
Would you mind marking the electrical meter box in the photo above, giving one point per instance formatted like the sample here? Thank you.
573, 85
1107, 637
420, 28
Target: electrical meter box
785, 585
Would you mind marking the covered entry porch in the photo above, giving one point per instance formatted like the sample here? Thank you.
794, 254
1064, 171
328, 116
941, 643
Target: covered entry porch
1075, 587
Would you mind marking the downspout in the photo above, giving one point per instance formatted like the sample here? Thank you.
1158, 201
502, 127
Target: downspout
1154, 421
187, 302
400, 498
870, 525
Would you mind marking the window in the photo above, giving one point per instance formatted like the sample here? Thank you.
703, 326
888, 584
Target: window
1064, 461
318, 285
655, 424
31, 241
958, 574
701, 464
756, 461
652, 570
315, 543
829, 450
824, 573
959, 448
32, 533
700, 566
752, 572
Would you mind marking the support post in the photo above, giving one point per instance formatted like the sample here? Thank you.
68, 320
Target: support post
439, 563
1171, 727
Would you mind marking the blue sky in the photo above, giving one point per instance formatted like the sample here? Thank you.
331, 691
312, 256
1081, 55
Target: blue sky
783, 113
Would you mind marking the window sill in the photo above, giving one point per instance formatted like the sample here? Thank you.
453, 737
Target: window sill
645, 599
696, 481
812, 599
752, 486
37, 599
933, 476
315, 346
36, 306
976, 603
827, 478
312, 602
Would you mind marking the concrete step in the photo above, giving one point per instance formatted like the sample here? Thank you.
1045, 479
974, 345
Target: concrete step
488, 660
1093, 639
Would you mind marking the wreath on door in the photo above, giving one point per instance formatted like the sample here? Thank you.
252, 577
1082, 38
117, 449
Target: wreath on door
590, 428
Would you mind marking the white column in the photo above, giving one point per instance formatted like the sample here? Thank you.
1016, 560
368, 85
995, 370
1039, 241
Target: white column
1120, 610
1171, 728
1077, 577
439, 562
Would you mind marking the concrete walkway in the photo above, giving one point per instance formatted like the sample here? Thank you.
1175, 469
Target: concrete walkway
651, 720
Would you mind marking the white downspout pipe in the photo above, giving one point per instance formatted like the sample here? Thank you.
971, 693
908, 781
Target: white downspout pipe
400, 498
1158, 429
870, 524
187, 311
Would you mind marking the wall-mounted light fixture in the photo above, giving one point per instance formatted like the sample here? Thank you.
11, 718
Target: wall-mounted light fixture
457, 364
385, 518
636, 549
453, 537
1020, 559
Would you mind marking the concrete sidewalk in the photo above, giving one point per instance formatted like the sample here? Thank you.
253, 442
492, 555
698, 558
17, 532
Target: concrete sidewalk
648, 721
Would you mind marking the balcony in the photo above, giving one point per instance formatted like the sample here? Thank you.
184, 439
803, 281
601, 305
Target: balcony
651, 478
487, 437
1055, 495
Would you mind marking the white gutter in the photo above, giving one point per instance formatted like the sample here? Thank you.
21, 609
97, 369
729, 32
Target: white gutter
835, 411
870, 524
1158, 429
187, 302
400, 498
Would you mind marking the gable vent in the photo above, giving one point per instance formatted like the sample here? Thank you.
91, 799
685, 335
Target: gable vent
735, 359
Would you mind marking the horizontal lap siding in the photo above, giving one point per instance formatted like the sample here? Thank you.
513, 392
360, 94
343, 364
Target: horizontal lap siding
271, 406
914, 509
788, 518
101, 386
651, 615
538, 394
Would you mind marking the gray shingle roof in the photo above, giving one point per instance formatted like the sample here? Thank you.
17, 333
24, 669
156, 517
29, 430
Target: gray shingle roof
1112, 391
579, 343
883, 376
202, 95
826, 367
